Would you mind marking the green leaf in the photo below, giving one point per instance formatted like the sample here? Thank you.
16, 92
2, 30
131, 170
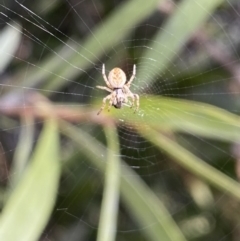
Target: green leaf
148, 210
28, 208
190, 117
23, 150
192, 163
142, 203
109, 208
188, 17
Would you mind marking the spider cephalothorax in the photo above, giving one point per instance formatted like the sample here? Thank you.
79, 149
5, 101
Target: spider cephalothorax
120, 92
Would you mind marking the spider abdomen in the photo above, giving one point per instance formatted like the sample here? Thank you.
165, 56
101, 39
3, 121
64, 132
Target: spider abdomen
117, 78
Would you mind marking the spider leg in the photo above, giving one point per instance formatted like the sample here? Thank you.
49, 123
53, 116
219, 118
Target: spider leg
113, 97
128, 94
104, 88
132, 99
109, 97
105, 77
137, 102
133, 76
110, 104
126, 89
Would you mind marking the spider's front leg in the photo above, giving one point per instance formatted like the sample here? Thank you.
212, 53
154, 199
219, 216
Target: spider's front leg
109, 97
104, 88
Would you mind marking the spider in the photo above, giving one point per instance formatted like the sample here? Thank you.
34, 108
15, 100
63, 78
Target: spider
120, 92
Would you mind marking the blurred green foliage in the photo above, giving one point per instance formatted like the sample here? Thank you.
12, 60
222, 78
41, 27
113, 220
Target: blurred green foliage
183, 117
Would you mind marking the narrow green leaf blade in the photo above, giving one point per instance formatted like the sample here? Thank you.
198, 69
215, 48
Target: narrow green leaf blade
188, 16
184, 116
109, 208
142, 203
192, 163
30, 205
148, 210
23, 149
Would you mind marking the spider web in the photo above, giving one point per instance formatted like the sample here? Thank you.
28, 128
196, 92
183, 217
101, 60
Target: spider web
206, 70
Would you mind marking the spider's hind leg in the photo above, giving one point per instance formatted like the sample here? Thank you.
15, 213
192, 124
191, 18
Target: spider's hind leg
128, 94
132, 99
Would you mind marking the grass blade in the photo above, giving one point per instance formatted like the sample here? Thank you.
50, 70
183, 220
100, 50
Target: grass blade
141, 201
190, 117
30, 204
185, 20
23, 150
109, 209
192, 163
